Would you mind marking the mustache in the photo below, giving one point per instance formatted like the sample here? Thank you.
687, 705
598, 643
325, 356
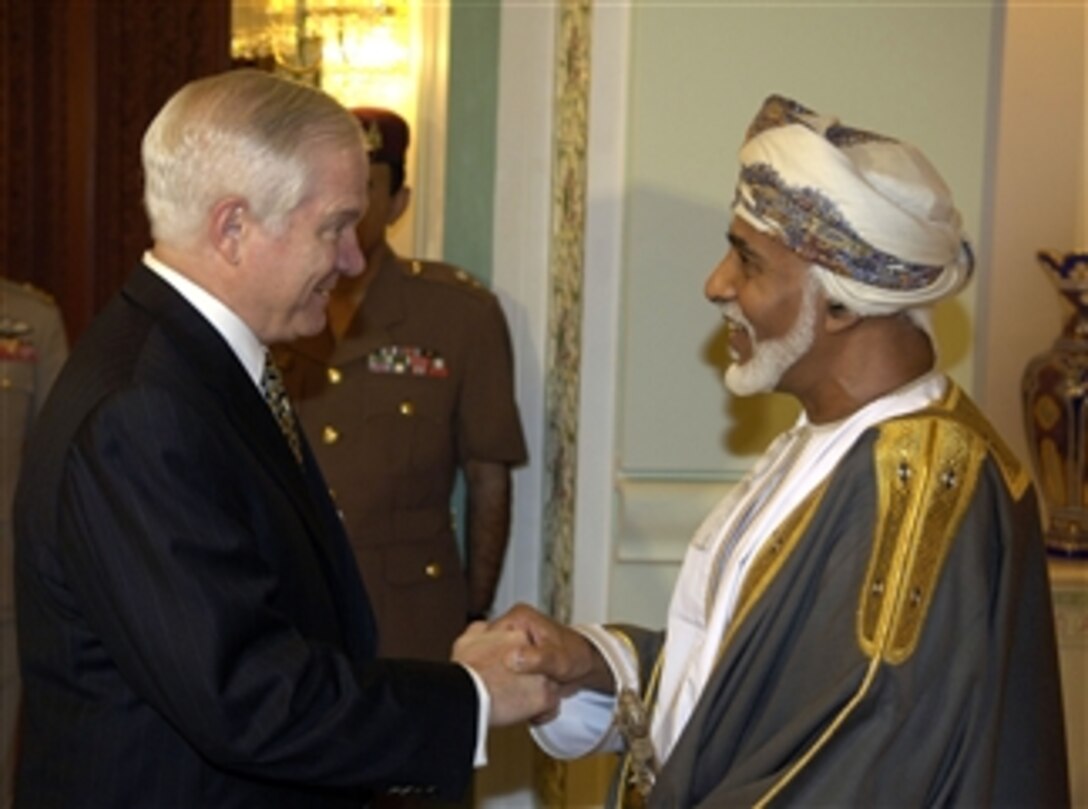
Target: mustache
734, 317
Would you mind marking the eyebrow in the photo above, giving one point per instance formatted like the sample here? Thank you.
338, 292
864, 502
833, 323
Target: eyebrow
741, 245
343, 216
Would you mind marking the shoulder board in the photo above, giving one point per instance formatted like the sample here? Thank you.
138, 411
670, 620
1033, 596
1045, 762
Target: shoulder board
442, 273
27, 290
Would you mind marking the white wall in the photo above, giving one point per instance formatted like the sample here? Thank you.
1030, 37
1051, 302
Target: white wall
1040, 201
520, 279
1040, 196
694, 76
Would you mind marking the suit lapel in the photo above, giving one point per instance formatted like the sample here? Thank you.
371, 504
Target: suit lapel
224, 380
223, 377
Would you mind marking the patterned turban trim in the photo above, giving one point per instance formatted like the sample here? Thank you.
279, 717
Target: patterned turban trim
867, 207
781, 111
810, 224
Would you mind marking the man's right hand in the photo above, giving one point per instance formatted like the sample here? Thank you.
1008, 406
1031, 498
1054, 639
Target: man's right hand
555, 650
515, 696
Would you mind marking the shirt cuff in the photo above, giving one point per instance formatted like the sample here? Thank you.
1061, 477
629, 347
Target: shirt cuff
583, 725
479, 759
586, 720
618, 652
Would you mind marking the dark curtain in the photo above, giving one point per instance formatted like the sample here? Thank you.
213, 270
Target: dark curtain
79, 82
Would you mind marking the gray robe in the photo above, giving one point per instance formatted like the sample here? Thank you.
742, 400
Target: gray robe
894, 642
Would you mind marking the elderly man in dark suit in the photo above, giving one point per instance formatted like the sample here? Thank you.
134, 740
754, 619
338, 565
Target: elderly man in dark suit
192, 628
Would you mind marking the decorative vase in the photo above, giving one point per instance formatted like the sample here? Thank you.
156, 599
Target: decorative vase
1055, 395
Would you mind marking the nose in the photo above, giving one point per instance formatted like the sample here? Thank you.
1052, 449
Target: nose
721, 283
350, 259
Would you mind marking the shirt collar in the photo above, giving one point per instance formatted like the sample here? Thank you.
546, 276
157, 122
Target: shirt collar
241, 339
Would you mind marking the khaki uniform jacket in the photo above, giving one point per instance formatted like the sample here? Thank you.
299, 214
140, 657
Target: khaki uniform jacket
32, 350
421, 383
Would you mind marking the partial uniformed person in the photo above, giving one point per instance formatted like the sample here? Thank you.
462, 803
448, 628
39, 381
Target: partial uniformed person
33, 347
411, 381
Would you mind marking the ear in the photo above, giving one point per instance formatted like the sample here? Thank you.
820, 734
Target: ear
398, 205
228, 226
838, 318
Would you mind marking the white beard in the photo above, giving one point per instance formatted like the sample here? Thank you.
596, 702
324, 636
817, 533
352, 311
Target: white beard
770, 358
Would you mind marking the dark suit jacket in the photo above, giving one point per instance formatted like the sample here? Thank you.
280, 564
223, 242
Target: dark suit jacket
192, 627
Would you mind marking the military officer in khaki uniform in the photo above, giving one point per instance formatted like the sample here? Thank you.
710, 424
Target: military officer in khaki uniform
32, 349
411, 381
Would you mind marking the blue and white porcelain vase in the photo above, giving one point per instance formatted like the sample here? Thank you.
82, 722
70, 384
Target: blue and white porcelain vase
1055, 396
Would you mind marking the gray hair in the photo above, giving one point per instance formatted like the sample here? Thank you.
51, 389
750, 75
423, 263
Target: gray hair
243, 133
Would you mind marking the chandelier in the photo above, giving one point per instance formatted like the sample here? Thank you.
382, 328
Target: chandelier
359, 51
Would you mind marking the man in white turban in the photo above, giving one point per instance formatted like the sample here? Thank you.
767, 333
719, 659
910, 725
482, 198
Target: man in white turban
865, 619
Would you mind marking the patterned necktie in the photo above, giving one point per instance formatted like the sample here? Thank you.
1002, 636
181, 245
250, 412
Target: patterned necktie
276, 396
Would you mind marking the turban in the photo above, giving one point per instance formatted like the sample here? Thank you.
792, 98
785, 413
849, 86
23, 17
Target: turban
870, 210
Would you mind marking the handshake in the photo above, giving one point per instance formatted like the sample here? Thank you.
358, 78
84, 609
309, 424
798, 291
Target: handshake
528, 662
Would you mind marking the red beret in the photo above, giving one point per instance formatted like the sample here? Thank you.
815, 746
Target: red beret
386, 133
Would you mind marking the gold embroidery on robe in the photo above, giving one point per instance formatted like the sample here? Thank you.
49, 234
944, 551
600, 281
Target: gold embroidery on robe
770, 559
920, 508
927, 467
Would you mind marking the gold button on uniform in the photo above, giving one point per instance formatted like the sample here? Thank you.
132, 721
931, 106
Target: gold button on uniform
334, 376
407, 408
329, 434
433, 570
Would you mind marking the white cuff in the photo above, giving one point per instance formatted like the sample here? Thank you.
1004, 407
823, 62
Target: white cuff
585, 722
618, 653
479, 759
